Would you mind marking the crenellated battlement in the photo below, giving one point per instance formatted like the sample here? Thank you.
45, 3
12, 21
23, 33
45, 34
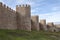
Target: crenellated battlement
3, 5
23, 5
6, 7
8, 17
21, 19
24, 17
0, 3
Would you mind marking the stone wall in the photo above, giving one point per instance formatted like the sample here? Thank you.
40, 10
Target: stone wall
43, 25
7, 17
21, 19
51, 27
24, 17
35, 23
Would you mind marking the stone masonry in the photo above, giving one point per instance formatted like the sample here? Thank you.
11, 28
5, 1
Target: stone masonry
7, 17
51, 27
21, 19
24, 17
35, 23
43, 25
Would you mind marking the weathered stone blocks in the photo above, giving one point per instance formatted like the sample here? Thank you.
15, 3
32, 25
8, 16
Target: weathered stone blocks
7, 18
35, 23
21, 19
51, 27
24, 17
43, 25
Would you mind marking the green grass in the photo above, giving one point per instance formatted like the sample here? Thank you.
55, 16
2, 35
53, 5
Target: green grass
25, 35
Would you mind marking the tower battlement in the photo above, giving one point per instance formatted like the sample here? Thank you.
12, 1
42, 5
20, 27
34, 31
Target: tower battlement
24, 21
2, 5
23, 5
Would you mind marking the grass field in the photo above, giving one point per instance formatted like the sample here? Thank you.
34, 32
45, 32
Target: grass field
25, 35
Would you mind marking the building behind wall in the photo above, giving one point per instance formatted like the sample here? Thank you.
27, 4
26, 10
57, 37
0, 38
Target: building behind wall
24, 17
35, 23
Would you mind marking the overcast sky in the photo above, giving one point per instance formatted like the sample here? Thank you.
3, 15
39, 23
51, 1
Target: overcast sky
45, 9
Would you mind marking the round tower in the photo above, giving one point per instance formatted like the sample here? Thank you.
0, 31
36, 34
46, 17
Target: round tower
50, 26
24, 17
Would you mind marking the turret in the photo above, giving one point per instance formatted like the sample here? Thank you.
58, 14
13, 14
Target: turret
24, 17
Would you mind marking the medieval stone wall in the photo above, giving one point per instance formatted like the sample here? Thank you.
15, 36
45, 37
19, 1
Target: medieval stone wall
43, 25
57, 27
24, 17
7, 17
35, 23
21, 19
51, 27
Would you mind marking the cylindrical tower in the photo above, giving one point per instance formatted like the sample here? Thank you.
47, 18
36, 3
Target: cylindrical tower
24, 17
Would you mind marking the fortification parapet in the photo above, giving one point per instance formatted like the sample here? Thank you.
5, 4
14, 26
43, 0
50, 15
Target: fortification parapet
7, 7
4, 6
1, 4
24, 5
